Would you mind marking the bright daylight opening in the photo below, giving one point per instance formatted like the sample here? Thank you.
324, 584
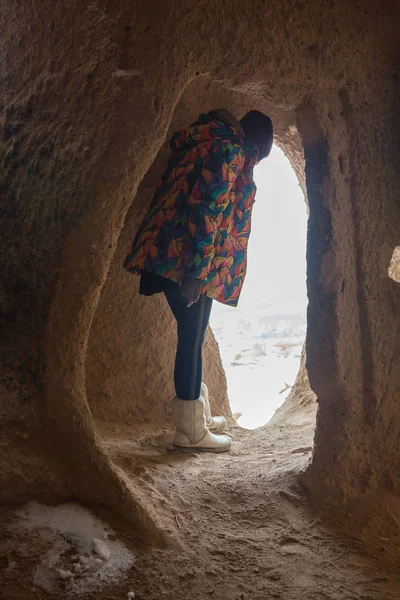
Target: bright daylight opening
261, 340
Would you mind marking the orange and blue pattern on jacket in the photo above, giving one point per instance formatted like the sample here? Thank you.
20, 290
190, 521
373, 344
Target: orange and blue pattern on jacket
199, 221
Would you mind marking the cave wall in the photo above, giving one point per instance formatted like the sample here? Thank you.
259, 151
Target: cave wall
353, 336
88, 95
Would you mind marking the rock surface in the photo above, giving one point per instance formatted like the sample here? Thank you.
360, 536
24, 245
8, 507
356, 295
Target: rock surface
89, 95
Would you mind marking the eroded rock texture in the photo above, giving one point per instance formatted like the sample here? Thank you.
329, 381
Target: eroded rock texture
89, 93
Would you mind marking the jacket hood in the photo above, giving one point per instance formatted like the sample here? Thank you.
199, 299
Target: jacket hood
224, 115
221, 125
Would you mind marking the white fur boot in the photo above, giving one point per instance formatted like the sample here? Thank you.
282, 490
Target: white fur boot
213, 423
192, 433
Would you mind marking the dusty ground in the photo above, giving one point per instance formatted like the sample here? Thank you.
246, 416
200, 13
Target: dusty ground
238, 523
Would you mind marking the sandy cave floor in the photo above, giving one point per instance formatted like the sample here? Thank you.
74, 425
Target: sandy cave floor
238, 523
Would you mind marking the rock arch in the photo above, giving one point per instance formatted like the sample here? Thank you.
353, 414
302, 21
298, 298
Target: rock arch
89, 95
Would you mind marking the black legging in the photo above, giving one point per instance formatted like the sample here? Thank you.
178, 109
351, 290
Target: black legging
192, 324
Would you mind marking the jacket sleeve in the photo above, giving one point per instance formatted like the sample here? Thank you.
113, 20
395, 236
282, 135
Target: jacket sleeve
210, 197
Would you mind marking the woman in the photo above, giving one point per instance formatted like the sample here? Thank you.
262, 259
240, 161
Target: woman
192, 246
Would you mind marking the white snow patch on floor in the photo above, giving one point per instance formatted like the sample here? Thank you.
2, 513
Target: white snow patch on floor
84, 554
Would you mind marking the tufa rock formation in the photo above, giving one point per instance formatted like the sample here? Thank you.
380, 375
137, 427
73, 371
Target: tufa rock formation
90, 92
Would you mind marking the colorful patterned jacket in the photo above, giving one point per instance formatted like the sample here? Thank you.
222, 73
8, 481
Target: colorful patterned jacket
198, 224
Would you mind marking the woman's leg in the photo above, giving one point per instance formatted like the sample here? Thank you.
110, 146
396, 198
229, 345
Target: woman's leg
192, 433
192, 325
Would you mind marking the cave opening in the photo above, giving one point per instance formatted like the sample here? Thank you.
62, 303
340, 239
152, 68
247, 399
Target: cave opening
394, 267
261, 340
92, 93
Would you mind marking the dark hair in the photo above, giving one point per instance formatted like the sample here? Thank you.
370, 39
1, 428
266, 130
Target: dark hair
258, 128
